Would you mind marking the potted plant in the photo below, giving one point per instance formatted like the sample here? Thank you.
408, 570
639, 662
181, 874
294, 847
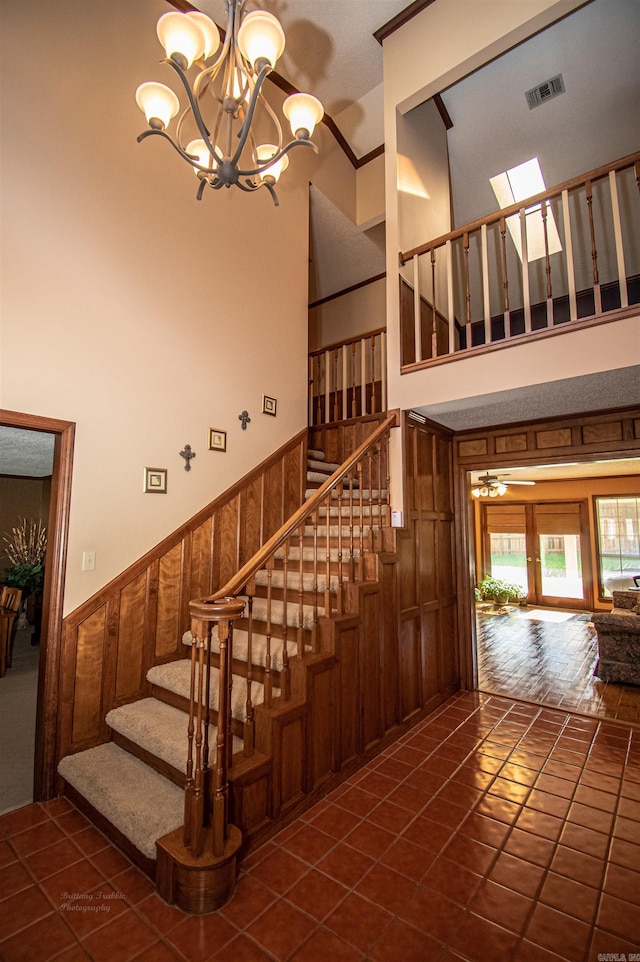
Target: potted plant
500, 592
25, 549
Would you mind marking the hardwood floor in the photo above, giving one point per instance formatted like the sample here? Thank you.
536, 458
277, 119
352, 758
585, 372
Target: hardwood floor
548, 657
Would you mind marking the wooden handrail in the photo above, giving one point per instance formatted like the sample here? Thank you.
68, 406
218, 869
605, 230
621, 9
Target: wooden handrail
235, 585
406, 256
348, 340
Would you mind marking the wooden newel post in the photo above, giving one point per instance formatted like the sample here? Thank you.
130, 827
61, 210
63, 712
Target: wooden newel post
196, 865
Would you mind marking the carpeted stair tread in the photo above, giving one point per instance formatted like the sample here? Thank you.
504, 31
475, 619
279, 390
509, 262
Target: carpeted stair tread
258, 648
295, 619
316, 455
309, 582
158, 728
139, 802
176, 677
309, 554
326, 467
374, 495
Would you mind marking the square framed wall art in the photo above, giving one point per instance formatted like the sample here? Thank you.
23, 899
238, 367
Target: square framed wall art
217, 440
269, 405
155, 480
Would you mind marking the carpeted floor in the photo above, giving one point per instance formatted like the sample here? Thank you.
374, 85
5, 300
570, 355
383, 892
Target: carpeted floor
18, 696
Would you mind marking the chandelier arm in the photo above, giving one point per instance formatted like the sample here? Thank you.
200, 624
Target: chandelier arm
269, 109
246, 126
185, 156
277, 157
197, 116
251, 186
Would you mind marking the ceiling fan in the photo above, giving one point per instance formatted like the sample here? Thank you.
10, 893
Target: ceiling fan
492, 486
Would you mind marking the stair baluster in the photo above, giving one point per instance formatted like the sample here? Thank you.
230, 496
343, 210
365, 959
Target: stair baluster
268, 680
249, 736
360, 566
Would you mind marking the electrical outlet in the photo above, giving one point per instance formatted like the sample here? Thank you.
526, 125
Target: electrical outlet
88, 560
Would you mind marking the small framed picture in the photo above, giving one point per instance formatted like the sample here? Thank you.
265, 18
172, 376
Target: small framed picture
155, 480
269, 405
217, 440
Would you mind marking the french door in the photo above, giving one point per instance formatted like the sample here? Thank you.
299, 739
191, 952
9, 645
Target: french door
542, 547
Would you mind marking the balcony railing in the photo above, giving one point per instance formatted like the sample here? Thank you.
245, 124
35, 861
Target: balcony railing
498, 280
349, 379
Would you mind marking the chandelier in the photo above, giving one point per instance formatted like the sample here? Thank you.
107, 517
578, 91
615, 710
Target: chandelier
214, 131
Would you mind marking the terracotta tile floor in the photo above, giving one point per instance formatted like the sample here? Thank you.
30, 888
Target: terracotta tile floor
549, 662
494, 830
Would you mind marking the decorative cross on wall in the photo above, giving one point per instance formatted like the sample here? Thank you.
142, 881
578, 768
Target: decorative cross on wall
187, 454
244, 417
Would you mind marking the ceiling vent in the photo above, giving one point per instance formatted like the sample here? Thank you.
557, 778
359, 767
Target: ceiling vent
545, 91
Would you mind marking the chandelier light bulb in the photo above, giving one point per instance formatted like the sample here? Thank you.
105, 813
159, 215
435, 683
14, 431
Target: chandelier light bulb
158, 103
273, 171
303, 111
209, 30
261, 37
199, 149
181, 37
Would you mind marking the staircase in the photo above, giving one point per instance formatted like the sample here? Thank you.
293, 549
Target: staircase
294, 609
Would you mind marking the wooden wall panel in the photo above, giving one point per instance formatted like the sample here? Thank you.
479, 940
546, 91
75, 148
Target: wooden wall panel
431, 653
252, 519
201, 581
228, 541
129, 658
345, 644
87, 702
614, 433
293, 479
168, 626
273, 500
370, 666
448, 648
410, 666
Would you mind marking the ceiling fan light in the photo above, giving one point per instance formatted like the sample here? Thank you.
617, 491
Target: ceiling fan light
209, 30
303, 111
261, 37
501, 488
475, 492
158, 103
181, 37
271, 174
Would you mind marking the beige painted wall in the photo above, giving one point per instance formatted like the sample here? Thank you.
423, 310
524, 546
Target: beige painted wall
127, 307
350, 315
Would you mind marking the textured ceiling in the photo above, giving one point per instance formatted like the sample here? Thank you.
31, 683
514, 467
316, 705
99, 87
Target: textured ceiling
26, 454
606, 390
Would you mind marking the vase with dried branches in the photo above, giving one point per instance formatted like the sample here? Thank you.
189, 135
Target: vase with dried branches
25, 548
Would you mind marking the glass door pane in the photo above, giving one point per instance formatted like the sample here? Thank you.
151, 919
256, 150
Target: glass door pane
509, 558
561, 565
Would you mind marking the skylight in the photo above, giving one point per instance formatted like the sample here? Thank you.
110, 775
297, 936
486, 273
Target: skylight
516, 185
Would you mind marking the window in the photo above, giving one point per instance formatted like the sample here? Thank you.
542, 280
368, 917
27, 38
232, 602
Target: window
618, 529
515, 185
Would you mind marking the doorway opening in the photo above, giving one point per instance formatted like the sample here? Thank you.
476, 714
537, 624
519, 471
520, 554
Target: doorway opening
549, 540
62, 435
